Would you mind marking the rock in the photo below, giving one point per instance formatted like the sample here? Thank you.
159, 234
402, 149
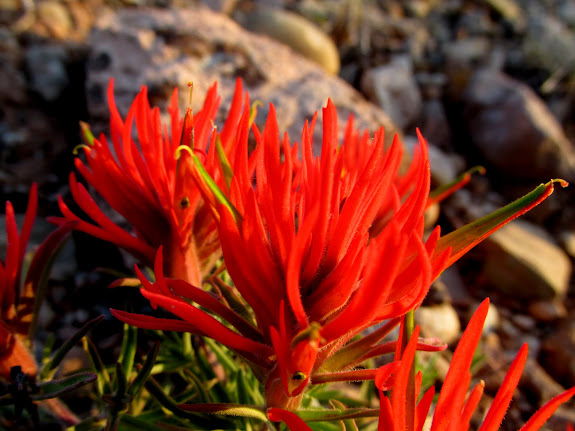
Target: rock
558, 351
511, 12
549, 44
566, 12
167, 48
298, 33
439, 321
547, 311
393, 87
513, 129
521, 261
523, 322
567, 239
492, 321
55, 17
47, 71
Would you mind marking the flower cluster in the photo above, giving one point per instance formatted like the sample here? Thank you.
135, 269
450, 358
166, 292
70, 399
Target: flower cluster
284, 256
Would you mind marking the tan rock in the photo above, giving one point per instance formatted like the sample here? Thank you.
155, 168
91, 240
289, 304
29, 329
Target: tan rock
522, 261
298, 33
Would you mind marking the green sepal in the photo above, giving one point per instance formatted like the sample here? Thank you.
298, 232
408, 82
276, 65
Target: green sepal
57, 388
50, 367
466, 237
213, 187
226, 166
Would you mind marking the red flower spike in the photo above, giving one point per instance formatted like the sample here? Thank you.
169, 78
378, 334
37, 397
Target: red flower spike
460, 365
335, 242
501, 402
151, 188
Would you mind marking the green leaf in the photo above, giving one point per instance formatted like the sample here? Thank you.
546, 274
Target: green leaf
128, 352
168, 403
51, 366
224, 356
57, 388
466, 237
104, 383
201, 390
138, 383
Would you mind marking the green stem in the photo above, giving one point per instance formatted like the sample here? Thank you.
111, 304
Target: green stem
408, 328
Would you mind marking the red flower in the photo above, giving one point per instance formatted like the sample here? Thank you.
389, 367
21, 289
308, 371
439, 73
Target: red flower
18, 290
149, 181
320, 250
453, 410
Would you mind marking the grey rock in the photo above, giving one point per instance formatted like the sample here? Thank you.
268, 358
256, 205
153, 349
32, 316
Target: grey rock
167, 48
47, 70
549, 44
521, 261
513, 129
393, 87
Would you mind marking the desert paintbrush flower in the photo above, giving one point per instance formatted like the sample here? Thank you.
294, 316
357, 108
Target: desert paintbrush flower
300, 250
149, 182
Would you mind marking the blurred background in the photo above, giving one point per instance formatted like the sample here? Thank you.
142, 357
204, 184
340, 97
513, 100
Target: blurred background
488, 82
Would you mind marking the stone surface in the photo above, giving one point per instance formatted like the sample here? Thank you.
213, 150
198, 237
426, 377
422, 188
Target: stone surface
547, 311
46, 67
298, 33
521, 261
534, 148
167, 48
440, 321
393, 87
558, 351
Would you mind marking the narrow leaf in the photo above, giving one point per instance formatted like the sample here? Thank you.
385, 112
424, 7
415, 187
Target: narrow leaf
128, 352
57, 388
51, 366
138, 383
227, 410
